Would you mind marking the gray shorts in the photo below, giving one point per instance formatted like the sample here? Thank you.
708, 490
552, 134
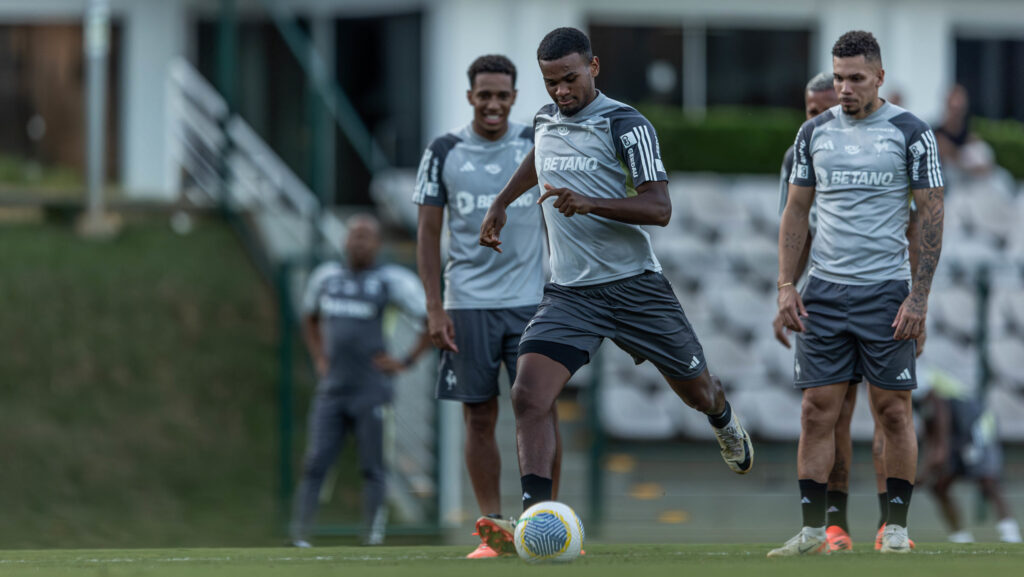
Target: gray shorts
486, 338
640, 314
848, 334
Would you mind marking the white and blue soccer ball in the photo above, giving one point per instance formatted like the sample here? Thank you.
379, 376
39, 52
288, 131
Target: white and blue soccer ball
549, 531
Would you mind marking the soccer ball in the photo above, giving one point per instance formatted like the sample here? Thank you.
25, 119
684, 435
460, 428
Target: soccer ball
549, 531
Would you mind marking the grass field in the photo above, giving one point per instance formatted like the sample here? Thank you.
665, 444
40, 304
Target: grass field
706, 560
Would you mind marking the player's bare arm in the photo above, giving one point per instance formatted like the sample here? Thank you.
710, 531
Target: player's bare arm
913, 248
651, 205
524, 178
793, 235
780, 330
314, 343
910, 319
428, 262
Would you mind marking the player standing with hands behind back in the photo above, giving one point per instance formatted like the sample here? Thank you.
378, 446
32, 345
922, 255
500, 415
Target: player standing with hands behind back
858, 314
600, 166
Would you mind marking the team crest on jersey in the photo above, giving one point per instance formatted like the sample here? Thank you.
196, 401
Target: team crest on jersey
881, 146
493, 168
563, 130
628, 139
465, 202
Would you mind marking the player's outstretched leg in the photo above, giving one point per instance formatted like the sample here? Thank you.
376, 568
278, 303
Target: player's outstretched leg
705, 394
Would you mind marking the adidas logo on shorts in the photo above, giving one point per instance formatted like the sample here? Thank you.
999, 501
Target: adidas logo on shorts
904, 376
695, 362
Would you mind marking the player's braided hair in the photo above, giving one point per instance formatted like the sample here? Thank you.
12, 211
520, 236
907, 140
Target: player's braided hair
562, 42
495, 63
858, 43
820, 83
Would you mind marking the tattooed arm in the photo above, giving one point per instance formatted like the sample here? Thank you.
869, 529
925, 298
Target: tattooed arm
792, 239
910, 320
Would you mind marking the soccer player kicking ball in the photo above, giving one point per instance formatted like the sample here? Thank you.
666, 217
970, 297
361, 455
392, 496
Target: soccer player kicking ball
487, 299
858, 314
600, 167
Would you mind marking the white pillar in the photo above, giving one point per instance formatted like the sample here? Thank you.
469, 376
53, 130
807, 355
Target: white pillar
460, 30
154, 33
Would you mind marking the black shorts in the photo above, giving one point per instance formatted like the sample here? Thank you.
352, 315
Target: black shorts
848, 334
486, 338
640, 314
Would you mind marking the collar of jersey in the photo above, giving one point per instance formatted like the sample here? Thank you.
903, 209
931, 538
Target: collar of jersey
586, 112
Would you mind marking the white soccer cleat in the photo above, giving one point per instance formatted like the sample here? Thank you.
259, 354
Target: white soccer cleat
961, 536
895, 539
737, 450
809, 541
1009, 531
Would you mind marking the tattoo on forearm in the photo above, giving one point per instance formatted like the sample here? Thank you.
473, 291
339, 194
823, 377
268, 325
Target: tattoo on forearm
931, 217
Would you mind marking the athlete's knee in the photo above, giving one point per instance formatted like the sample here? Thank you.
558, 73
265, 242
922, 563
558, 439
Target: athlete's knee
817, 413
481, 418
315, 466
531, 399
894, 416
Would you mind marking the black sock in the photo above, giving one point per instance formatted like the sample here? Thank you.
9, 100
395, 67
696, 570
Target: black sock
836, 513
812, 502
720, 421
883, 509
535, 490
899, 491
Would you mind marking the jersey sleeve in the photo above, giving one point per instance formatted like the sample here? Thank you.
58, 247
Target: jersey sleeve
430, 186
405, 291
314, 286
636, 143
787, 168
802, 167
923, 168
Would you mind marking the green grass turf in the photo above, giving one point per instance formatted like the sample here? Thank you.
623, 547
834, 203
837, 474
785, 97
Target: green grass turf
931, 560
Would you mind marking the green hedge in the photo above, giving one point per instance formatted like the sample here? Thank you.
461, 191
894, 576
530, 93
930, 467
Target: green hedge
753, 140
725, 140
1006, 137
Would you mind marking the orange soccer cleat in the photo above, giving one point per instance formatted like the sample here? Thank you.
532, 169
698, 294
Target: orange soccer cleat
838, 539
483, 551
497, 533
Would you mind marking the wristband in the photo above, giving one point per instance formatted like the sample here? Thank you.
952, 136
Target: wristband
785, 284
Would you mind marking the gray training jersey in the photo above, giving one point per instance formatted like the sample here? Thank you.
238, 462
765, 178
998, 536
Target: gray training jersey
863, 172
466, 172
605, 150
350, 305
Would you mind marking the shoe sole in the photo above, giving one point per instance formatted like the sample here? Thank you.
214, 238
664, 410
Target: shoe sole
738, 467
496, 537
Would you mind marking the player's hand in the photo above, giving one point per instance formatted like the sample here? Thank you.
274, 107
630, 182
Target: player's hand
910, 319
388, 364
781, 332
791, 308
567, 202
490, 230
442, 330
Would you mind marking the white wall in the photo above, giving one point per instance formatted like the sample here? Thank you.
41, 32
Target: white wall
457, 31
154, 34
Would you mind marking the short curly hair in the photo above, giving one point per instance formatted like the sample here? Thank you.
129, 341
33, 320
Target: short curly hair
858, 43
494, 63
562, 42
